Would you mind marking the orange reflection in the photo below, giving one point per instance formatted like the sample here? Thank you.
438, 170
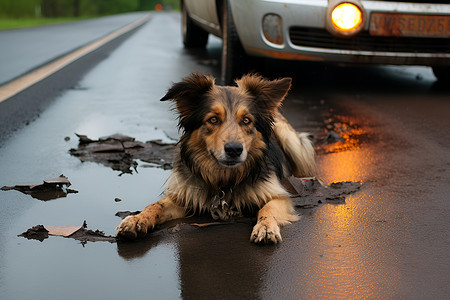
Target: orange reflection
345, 134
349, 258
345, 160
353, 165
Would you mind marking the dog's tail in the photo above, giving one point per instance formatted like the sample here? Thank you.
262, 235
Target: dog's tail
297, 147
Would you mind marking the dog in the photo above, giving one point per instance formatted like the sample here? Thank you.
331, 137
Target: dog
235, 150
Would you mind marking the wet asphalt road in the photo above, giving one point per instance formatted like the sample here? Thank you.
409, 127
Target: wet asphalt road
389, 240
26, 49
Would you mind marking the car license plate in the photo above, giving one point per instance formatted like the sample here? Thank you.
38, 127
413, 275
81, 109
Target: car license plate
386, 24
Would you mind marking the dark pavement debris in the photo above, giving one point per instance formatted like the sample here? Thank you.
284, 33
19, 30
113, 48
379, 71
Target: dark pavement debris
80, 233
120, 152
50, 189
333, 137
86, 235
37, 232
310, 192
184, 225
124, 214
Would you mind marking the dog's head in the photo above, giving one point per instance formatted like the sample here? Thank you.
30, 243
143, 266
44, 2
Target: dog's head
227, 124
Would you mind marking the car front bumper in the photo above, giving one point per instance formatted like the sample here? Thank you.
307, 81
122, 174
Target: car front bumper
305, 37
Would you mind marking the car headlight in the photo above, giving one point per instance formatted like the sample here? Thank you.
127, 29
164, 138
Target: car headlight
345, 17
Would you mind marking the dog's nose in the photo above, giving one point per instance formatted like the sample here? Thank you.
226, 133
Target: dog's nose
233, 149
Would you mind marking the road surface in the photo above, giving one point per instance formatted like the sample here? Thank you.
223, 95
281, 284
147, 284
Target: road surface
23, 50
389, 240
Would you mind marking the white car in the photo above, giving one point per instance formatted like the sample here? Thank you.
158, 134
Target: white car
409, 32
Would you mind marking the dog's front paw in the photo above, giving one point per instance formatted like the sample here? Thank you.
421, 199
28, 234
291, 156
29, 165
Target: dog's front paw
266, 231
132, 227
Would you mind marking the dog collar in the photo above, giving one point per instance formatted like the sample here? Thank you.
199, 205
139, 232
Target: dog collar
220, 208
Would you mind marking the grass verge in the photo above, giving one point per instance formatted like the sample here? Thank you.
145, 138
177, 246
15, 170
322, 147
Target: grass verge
31, 22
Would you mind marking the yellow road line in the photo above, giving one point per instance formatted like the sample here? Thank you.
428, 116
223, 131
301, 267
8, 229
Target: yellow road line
13, 87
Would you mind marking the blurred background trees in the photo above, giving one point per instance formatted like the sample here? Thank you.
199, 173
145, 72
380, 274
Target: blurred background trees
76, 8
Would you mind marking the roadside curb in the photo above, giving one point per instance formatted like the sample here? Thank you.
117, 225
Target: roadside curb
20, 84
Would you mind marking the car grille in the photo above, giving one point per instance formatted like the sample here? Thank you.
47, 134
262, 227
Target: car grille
320, 38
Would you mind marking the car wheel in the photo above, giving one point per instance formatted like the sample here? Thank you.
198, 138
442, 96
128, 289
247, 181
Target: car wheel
234, 60
442, 73
193, 35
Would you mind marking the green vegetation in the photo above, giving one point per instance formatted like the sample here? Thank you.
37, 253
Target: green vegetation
29, 22
24, 13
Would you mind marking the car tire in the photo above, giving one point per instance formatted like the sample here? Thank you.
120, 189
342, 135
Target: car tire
193, 35
442, 73
234, 59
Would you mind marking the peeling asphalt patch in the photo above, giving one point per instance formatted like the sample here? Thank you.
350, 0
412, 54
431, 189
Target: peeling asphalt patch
50, 189
80, 233
120, 152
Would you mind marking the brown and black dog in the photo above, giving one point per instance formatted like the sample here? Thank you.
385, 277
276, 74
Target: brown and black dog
235, 150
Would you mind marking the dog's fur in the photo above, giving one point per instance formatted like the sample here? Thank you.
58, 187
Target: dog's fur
235, 150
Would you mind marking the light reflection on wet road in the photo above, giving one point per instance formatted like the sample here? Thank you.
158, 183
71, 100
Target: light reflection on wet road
389, 240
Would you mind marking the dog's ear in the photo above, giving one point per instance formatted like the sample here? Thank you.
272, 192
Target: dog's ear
187, 91
188, 95
268, 93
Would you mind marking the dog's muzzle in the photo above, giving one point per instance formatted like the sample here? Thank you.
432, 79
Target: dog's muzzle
233, 154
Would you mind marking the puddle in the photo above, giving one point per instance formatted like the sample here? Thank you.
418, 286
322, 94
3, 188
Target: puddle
306, 193
120, 152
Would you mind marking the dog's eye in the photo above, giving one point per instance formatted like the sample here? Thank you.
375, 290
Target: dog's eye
246, 121
213, 120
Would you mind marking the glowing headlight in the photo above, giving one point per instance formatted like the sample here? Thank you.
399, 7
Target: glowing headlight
346, 17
